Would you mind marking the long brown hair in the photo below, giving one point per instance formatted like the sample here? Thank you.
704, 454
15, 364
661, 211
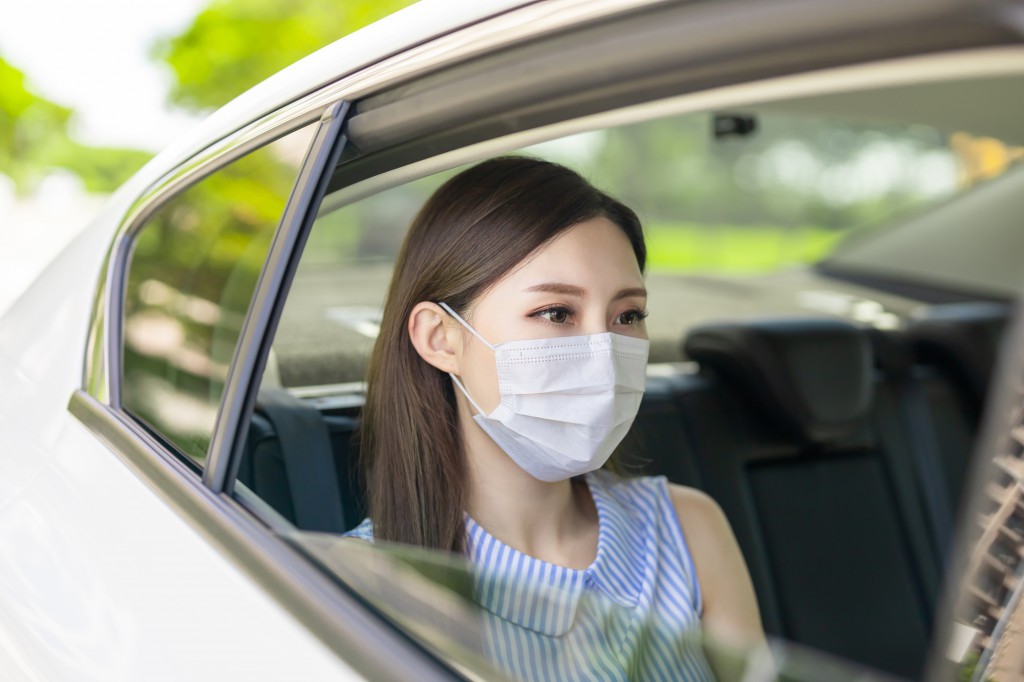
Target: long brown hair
473, 231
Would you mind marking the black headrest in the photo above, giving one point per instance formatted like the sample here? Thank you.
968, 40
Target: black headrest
963, 338
891, 349
814, 375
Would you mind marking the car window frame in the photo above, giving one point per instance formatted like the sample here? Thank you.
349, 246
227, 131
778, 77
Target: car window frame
400, 169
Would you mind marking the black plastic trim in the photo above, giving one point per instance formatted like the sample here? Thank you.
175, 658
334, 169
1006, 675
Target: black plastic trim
260, 323
340, 620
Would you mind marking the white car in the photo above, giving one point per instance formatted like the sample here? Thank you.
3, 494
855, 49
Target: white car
179, 389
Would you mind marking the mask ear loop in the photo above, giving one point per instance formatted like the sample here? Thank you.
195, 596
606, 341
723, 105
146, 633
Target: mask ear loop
458, 383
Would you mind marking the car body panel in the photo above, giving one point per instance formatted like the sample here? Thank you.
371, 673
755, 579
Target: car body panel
130, 585
122, 592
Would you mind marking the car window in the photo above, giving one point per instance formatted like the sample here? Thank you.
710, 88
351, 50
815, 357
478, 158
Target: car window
729, 203
193, 270
738, 208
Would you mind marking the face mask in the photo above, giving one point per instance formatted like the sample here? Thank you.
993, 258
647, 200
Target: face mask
566, 402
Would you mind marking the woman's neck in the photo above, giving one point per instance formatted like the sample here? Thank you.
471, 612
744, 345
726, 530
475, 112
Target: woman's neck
555, 522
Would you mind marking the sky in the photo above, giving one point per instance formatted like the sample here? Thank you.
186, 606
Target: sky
92, 55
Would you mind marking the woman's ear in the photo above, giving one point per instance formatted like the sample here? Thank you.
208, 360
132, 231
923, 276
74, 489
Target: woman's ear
429, 335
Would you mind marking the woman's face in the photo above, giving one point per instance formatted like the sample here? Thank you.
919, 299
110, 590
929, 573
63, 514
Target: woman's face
586, 281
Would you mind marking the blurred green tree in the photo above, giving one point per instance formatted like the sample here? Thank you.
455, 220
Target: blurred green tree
34, 140
234, 44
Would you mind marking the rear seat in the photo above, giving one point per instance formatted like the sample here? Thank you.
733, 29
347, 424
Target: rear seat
657, 444
265, 469
826, 510
955, 348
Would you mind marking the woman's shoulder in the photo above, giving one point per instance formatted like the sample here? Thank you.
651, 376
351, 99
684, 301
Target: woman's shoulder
704, 524
730, 607
692, 503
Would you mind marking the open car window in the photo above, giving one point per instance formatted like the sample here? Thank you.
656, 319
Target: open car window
733, 204
844, 541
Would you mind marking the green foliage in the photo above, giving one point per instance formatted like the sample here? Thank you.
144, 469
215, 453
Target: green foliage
34, 140
193, 273
968, 668
234, 44
27, 125
687, 247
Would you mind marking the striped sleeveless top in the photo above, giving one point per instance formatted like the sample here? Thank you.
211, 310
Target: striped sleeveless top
633, 614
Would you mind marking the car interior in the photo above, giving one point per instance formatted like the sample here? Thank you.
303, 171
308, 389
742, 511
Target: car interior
837, 443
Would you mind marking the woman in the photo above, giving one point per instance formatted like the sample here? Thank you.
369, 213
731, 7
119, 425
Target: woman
509, 365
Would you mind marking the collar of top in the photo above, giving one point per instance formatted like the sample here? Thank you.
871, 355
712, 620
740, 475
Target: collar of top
544, 597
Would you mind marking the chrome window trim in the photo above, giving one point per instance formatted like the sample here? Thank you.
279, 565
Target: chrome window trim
332, 614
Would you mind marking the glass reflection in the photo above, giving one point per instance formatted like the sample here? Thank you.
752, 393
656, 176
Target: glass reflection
192, 275
435, 597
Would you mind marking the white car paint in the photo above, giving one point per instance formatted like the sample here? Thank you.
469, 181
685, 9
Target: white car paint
99, 578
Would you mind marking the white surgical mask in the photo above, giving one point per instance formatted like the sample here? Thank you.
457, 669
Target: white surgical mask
566, 402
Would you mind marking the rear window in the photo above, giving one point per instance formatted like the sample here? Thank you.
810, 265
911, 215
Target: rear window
193, 271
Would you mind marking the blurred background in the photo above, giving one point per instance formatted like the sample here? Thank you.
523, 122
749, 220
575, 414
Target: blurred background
90, 91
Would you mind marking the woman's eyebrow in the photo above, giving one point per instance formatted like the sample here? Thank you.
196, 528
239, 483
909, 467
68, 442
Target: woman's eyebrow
573, 290
633, 291
557, 288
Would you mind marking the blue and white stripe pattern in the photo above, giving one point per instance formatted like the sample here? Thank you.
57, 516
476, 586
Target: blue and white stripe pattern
633, 614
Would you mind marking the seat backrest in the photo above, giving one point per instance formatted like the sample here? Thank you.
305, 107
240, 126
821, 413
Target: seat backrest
827, 513
264, 467
954, 349
657, 444
936, 374
961, 340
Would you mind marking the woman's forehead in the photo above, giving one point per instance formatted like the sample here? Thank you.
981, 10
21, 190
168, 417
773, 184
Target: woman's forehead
595, 255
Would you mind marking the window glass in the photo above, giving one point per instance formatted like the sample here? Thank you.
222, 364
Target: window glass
191, 278
733, 206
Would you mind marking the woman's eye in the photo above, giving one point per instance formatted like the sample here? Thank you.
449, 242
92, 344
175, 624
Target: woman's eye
556, 315
632, 317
